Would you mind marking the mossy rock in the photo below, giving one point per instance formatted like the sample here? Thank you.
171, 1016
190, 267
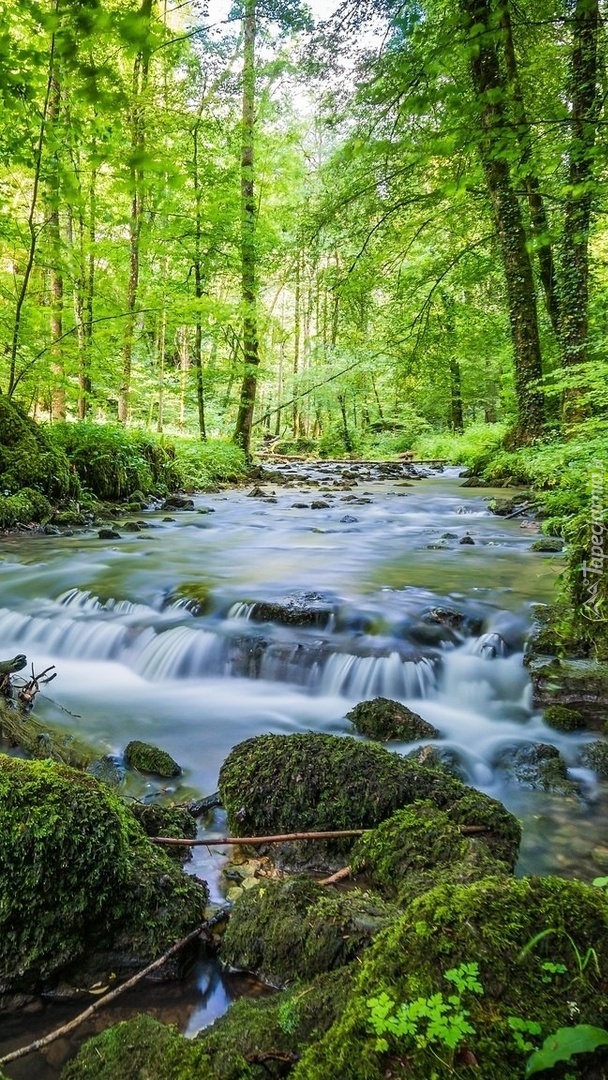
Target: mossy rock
594, 755
28, 457
138, 1049
24, 507
383, 719
579, 684
80, 875
285, 931
418, 848
279, 1024
535, 765
548, 544
495, 923
147, 758
171, 821
563, 719
275, 784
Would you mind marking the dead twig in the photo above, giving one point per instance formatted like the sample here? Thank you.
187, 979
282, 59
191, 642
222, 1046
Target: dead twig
340, 875
467, 830
39, 1044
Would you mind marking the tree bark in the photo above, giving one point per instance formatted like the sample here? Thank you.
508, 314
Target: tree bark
198, 287
58, 404
138, 142
584, 114
490, 89
244, 422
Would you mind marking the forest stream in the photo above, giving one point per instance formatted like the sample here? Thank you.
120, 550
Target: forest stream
251, 614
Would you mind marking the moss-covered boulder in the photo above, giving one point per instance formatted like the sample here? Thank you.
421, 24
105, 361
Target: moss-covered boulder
561, 718
275, 784
283, 931
173, 821
383, 719
147, 758
28, 457
594, 755
418, 848
551, 980
580, 685
137, 1049
79, 877
23, 508
255, 1040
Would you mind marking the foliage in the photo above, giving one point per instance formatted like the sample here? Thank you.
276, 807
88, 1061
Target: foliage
432, 1020
563, 1044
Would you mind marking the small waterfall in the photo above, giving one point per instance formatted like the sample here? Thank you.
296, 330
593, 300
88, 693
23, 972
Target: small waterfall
365, 677
65, 637
177, 653
490, 646
87, 602
241, 610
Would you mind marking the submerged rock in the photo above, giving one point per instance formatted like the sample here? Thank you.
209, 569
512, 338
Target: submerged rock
535, 765
284, 931
80, 879
383, 719
150, 759
594, 755
275, 784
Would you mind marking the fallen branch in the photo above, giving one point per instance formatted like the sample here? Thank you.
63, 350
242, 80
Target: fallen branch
285, 837
339, 875
520, 510
467, 830
66, 1028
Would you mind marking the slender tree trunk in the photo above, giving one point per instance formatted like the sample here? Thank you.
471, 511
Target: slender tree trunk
138, 142
538, 213
242, 433
31, 221
584, 115
297, 330
457, 421
53, 229
490, 89
198, 288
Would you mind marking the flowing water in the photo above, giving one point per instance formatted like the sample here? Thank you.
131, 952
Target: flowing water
167, 635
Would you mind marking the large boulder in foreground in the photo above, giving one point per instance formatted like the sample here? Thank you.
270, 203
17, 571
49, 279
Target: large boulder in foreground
276, 784
551, 980
80, 879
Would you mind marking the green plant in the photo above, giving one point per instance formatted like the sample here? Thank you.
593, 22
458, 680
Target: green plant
563, 1043
434, 1021
520, 1029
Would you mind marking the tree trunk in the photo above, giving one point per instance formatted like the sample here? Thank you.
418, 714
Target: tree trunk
584, 114
138, 141
297, 330
53, 229
198, 288
538, 213
242, 433
490, 89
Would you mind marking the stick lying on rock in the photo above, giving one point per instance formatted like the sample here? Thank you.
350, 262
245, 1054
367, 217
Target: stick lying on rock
39, 1044
466, 830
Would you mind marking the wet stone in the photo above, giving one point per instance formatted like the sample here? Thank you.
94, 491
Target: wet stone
150, 759
548, 544
108, 534
383, 719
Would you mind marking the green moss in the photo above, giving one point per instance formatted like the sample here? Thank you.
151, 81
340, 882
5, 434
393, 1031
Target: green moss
312, 782
283, 931
80, 875
562, 719
28, 457
383, 719
418, 848
43, 741
138, 1049
25, 506
150, 759
172, 821
490, 922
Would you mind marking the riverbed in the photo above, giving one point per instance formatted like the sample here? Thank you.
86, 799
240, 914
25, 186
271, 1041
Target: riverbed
189, 634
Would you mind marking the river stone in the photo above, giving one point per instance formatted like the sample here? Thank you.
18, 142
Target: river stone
581, 685
178, 502
348, 519
274, 784
466, 539
594, 755
131, 526
562, 719
108, 534
548, 544
319, 504
107, 769
300, 609
503, 507
439, 757
494, 923
535, 765
383, 719
80, 877
419, 848
283, 931
147, 758
51, 530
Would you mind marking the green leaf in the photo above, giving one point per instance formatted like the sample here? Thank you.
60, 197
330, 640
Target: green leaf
563, 1043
